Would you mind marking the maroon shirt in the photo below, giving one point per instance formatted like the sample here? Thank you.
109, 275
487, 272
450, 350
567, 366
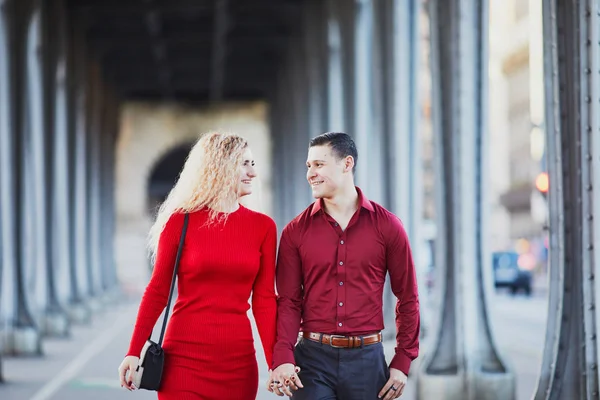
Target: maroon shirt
331, 281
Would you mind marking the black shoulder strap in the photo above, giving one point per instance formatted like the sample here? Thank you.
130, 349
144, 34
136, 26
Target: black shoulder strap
179, 250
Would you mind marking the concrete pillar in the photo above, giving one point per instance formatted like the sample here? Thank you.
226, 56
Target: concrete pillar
22, 336
464, 363
572, 73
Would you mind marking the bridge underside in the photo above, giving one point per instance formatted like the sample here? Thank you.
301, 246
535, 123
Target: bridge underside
66, 67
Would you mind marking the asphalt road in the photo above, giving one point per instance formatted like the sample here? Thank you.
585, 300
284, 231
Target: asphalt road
85, 365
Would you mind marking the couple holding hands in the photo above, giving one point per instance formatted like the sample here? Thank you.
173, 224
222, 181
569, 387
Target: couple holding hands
317, 301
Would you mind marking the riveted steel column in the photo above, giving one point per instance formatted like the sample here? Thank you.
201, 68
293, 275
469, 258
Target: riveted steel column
6, 279
464, 363
94, 127
62, 212
22, 334
82, 166
572, 71
77, 306
55, 321
363, 96
107, 262
315, 48
398, 30
336, 100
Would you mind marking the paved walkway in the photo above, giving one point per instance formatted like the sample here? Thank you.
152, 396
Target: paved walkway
85, 365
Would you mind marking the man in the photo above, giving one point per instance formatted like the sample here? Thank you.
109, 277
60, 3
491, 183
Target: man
331, 269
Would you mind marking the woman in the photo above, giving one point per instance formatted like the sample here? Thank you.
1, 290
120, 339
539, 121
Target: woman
229, 253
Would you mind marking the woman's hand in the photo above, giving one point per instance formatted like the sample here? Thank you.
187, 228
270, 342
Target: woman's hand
129, 364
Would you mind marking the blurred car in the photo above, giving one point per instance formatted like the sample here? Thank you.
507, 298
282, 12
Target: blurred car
508, 273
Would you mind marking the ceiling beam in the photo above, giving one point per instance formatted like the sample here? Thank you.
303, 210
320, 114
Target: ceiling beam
219, 50
153, 21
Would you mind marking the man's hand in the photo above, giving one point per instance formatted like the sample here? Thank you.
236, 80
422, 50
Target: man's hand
394, 386
284, 378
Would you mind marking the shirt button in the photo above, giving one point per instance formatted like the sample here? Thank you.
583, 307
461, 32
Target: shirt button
341, 304
341, 242
341, 283
341, 263
336, 224
340, 324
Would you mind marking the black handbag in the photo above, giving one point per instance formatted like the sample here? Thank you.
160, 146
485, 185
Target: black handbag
149, 371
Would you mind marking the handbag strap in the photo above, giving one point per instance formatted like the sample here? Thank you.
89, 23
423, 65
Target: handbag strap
179, 250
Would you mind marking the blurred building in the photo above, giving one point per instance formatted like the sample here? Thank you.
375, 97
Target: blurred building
516, 123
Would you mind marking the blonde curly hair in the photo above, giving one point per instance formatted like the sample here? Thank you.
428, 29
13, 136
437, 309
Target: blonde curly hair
209, 179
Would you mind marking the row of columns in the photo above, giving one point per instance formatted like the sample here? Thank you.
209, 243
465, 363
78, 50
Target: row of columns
369, 70
58, 126
354, 68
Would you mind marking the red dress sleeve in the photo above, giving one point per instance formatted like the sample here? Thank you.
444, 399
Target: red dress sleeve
264, 299
156, 294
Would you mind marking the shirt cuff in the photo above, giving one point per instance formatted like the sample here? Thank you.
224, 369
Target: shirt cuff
401, 362
283, 357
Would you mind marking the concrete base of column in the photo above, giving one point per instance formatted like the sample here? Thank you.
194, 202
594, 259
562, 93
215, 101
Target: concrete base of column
95, 304
441, 387
25, 342
56, 324
111, 298
79, 313
484, 386
495, 386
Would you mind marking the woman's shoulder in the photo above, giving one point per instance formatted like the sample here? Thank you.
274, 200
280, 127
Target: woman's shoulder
259, 217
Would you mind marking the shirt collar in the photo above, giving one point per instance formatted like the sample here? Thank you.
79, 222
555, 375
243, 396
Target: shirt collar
362, 200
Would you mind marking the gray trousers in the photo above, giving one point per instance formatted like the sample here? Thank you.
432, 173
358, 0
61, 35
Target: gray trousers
329, 373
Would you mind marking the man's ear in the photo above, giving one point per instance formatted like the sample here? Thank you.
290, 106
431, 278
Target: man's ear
348, 163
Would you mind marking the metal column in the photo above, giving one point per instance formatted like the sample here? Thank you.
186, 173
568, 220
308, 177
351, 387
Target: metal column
399, 32
77, 308
464, 363
363, 94
62, 208
81, 242
94, 127
335, 71
21, 332
55, 321
572, 72
5, 293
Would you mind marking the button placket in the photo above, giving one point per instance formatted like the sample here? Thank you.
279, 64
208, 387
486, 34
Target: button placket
342, 276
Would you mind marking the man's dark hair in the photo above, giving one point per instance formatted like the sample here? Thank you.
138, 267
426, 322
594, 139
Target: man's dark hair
341, 144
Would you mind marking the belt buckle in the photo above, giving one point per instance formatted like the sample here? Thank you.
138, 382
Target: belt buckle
331, 337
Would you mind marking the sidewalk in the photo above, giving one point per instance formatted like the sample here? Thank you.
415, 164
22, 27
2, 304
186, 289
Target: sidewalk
85, 365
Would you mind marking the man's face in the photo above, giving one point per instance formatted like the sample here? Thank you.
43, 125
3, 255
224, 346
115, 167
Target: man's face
325, 172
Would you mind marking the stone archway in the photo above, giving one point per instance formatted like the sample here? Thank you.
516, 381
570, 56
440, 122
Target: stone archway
152, 135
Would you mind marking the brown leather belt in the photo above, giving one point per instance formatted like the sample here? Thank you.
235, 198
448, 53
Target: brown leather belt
343, 342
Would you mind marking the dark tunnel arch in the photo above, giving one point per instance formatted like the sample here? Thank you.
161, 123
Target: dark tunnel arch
164, 175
